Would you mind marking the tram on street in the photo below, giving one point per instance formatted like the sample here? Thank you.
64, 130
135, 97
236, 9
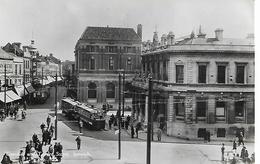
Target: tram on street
93, 117
68, 106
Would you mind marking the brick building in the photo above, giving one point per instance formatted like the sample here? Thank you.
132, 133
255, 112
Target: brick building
200, 84
100, 54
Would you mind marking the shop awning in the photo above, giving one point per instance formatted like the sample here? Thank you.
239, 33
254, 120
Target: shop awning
13, 95
20, 91
29, 88
2, 98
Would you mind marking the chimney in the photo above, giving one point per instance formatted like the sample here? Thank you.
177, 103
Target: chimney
32, 42
51, 55
170, 38
139, 30
219, 34
163, 39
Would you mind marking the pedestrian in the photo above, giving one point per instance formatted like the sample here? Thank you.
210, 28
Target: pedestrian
127, 121
132, 131
51, 129
50, 150
45, 137
234, 146
243, 152
48, 121
205, 136
159, 134
78, 141
20, 159
25, 105
55, 148
208, 136
42, 126
34, 138
136, 131
6, 159
112, 117
240, 139
48, 137
59, 151
110, 123
27, 151
80, 126
39, 149
222, 151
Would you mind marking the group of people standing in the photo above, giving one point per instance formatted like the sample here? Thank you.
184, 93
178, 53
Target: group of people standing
113, 121
34, 148
14, 111
244, 155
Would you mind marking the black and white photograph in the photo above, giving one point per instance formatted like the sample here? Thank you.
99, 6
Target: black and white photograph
128, 82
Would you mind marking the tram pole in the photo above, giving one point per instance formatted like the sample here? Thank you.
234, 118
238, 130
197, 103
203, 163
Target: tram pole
149, 124
119, 117
56, 117
123, 94
5, 89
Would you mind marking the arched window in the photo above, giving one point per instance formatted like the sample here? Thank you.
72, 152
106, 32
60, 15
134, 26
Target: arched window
110, 90
92, 90
92, 63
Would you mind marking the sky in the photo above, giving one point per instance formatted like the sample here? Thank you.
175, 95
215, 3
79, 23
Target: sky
56, 25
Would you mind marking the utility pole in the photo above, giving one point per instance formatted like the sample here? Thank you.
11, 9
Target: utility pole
5, 88
56, 117
119, 118
24, 83
42, 76
123, 93
149, 124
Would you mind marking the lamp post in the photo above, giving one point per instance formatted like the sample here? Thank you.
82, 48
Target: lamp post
119, 117
5, 89
149, 124
56, 108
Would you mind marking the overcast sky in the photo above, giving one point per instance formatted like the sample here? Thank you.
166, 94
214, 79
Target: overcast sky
56, 25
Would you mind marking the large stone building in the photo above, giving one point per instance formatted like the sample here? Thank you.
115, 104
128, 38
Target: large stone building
100, 54
200, 84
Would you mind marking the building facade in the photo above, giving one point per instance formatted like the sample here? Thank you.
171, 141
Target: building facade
101, 54
200, 84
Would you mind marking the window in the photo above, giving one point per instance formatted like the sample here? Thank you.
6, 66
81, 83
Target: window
220, 108
92, 90
92, 63
20, 69
201, 108
202, 73
221, 132
111, 64
129, 63
240, 74
221, 74
179, 106
110, 90
239, 108
179, 73
201, 132
16, 69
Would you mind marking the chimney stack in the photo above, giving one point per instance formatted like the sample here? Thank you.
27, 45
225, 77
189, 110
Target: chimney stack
219, 34
139, 31
170, 38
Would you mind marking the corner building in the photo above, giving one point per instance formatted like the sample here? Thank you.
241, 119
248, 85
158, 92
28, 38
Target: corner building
100, 54
200, 84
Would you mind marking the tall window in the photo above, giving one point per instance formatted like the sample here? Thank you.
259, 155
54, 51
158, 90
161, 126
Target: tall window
221, 74
92, 63
239, 108
240, 74
179, 73
201, 108
111, 64
202, 74
110, 90
220, 108
179, 105
20, 69
16, 69
92, 90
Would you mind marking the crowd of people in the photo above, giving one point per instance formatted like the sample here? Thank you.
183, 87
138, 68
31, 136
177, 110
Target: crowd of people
14, 111
233, 156
33, 152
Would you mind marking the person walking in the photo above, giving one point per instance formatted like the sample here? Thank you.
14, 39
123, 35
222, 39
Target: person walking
132, 131
20, 158
136, 131
127, 122
48, 121
27, 151
42, 126
78, 141
80, 126
159, 134
235, 146
222, 151
50, 150
240, 139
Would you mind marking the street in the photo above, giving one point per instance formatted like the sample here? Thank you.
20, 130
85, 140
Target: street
100, 146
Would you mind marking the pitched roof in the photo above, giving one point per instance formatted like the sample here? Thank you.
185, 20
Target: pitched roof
110, 33
5, 55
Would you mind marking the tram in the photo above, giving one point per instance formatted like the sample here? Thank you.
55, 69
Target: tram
93, 117
68, 106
